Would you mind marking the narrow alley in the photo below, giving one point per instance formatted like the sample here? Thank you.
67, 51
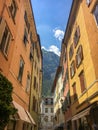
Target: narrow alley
54, 88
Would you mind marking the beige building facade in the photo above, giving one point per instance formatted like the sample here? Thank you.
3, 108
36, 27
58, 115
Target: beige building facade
47, 113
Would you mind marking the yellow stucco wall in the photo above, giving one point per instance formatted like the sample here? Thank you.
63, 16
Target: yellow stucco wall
87, 65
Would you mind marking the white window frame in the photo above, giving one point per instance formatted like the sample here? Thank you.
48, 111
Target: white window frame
72, 69
28, 84
21, 66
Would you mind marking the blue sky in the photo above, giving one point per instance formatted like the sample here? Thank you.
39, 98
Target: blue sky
51, 17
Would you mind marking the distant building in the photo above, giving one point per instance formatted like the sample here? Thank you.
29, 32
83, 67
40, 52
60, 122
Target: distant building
47, 113
57, 90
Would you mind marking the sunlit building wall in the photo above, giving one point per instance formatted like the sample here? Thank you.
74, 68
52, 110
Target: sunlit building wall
57, 90
81, 37
17, 33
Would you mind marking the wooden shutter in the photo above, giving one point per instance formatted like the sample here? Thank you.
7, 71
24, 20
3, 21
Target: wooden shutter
82, 81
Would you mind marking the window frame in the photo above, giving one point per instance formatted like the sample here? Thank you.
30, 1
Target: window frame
76, 36
79, 56
31, 53
46, 110
82, 81
13, 9
28, 83
21, 69
71, 52
52, 110
26, 21
34, 104
72, 69
25, 37
74, 91
5, 38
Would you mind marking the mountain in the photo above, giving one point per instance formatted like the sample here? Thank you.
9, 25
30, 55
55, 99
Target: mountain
50, 64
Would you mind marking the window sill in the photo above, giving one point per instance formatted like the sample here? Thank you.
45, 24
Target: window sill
83, 92
20, 82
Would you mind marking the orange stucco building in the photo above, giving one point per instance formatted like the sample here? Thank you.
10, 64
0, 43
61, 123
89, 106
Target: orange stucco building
17, 38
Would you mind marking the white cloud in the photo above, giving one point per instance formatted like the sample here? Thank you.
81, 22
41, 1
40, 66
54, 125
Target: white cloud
53, 48
43, 48
59, 34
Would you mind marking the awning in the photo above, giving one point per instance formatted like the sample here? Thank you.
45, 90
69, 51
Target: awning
32, 120
81, 114
21, 112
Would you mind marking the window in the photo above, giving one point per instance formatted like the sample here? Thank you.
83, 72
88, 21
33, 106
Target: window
5, 37
21, 68
34, 104
28, 84
72, 69
31, 53
25, 37
71, 52
31, 38
74, 91
76, 36
13, 9
96, 13
79, 56
82, 81
46, 110
51, 101
26, 21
